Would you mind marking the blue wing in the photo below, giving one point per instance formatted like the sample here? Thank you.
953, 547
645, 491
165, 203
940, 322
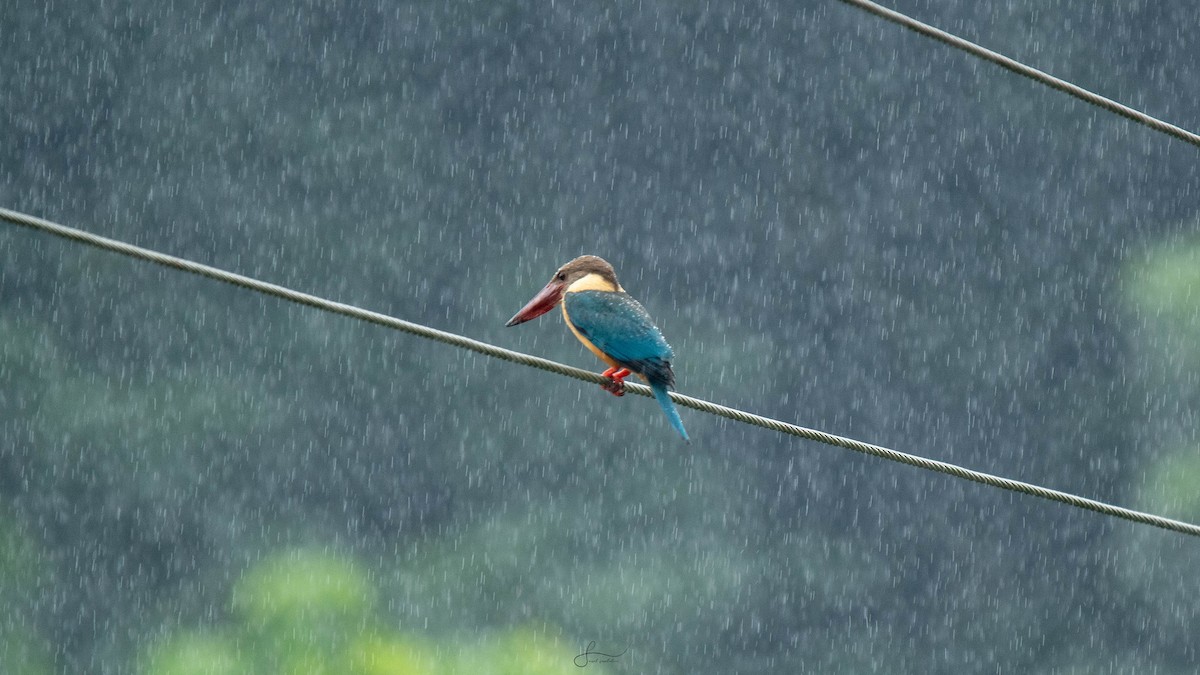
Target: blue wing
619, 326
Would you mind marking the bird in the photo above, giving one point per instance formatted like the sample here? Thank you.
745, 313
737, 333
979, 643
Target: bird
612, 325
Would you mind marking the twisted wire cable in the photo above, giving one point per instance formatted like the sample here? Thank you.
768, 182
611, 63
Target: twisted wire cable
494, 351
1028, 71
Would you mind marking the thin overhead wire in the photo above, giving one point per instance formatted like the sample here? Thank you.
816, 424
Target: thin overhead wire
588, 376
1028, 71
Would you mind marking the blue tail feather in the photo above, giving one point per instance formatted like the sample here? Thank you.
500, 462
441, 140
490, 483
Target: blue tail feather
668, 406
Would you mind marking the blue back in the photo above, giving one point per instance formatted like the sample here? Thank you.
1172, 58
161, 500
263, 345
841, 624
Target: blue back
619, 326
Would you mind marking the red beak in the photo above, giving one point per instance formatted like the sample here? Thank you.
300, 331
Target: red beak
541, 303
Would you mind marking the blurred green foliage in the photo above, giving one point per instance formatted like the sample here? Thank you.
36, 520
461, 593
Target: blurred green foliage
196, 653
1163, 287
308, 612
23, 571
301, 611
1171, 487
1163, 292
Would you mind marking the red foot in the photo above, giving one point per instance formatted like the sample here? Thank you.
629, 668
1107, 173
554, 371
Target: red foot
616, 384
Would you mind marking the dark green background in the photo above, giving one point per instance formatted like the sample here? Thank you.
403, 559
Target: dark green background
835, 222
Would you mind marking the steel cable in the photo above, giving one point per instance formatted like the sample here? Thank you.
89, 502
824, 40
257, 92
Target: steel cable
588, 376
1028, 71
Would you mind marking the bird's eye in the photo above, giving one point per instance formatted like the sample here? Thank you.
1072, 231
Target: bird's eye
561, 276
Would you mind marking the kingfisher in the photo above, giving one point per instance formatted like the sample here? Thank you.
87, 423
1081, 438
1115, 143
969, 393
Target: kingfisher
610, 323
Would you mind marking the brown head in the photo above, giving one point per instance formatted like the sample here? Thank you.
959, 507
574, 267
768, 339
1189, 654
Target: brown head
585, 272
